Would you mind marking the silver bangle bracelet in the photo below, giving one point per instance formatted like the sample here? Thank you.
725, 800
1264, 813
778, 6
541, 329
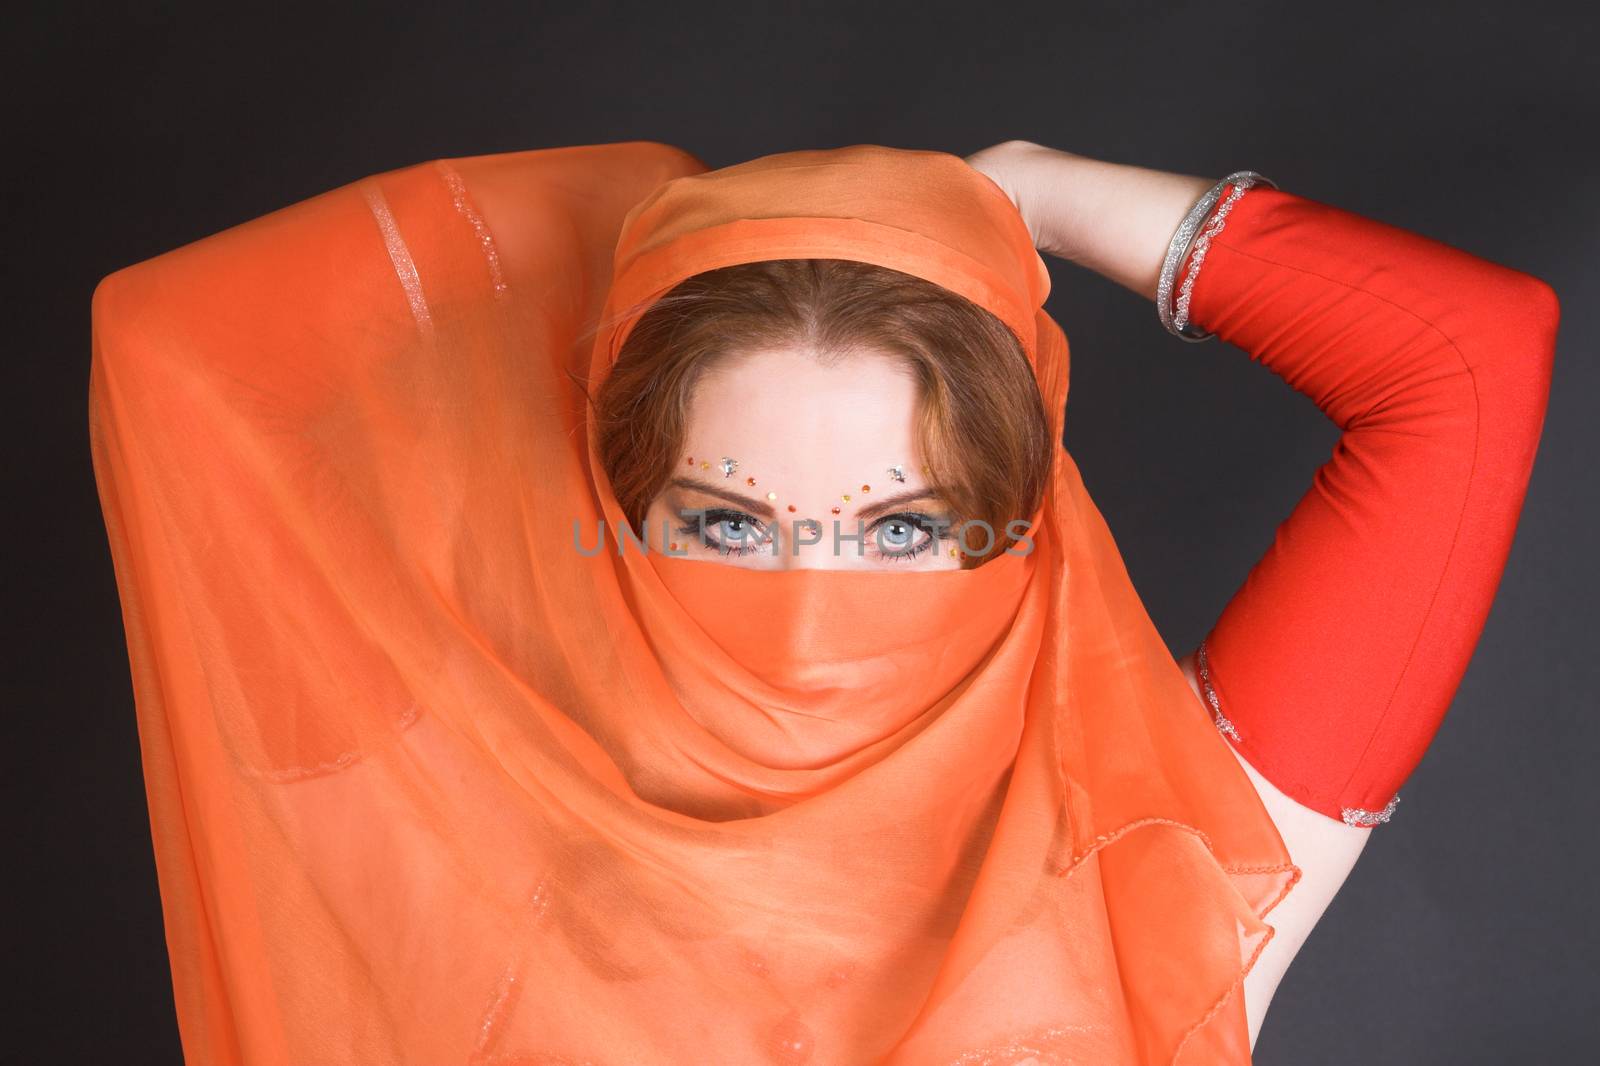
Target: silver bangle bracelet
1194, 235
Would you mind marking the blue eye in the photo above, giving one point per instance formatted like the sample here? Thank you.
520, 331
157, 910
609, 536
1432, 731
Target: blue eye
905, 535
898, 534
727, 531
731, 529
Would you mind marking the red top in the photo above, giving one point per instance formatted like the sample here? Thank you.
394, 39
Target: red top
1332, 667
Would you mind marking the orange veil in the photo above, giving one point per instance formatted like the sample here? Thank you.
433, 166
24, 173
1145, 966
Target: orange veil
434, 781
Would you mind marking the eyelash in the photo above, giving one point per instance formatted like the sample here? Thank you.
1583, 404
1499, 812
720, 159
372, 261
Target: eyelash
715, 516
921, 522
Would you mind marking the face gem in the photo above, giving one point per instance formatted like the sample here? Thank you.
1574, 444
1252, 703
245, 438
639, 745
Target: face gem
729, 466
897, 472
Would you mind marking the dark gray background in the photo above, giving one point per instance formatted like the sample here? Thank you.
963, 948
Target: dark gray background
1461, 937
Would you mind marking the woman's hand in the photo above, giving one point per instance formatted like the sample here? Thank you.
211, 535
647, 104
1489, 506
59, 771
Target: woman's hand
1115, 219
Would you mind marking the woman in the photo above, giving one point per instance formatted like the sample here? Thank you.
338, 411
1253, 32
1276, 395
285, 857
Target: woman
548, 644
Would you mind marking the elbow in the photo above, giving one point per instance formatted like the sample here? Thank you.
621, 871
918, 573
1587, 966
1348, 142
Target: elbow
1531, 304
1516, 375
112, 303
1513, 330
1542, 299
1536, 309
1544, 307
1540, 321
105, 313
124, 309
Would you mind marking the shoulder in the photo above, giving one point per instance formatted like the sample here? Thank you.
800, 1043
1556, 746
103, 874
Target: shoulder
1325, 851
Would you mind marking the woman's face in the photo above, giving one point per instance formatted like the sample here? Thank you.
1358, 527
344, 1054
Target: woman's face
827, 468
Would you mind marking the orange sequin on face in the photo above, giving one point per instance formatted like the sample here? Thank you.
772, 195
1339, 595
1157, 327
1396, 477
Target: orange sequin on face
749, 481
866, 488
792, 508
835, 510
705, 466
691, 460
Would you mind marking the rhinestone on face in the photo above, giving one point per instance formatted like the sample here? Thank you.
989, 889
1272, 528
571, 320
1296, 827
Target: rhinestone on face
792, 508
705, 466
835, 510
749, 481
729, 466
866, 488
847, 497
898, 473
772, 495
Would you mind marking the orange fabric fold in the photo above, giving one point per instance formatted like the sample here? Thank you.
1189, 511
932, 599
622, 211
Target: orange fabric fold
430, 784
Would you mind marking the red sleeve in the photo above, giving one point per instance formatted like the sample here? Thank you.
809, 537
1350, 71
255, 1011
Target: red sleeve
1332, 667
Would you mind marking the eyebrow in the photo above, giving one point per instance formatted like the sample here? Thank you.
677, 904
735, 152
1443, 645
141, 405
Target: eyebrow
757, 507
763, 509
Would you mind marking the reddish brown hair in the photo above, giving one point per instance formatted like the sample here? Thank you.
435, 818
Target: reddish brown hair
985, 435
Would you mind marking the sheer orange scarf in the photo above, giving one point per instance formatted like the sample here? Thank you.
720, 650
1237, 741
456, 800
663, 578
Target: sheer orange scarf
430, 784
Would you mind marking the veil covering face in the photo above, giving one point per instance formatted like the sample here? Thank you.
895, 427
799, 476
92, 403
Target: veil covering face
438, 775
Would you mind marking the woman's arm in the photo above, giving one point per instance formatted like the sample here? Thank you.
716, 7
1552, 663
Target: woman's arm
1331, 668
1112, 218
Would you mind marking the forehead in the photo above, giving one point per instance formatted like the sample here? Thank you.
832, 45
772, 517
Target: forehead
783, 409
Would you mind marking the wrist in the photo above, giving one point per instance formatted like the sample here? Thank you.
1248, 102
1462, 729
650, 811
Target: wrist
1115, 219
1060, 194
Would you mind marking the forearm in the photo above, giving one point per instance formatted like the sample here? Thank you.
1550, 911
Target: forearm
1112, 218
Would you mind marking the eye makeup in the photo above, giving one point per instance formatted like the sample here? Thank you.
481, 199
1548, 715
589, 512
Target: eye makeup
892, 527
906, 534
725, 530
901, 535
